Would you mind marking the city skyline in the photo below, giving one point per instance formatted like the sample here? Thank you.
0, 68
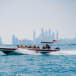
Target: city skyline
44, 35
21, 17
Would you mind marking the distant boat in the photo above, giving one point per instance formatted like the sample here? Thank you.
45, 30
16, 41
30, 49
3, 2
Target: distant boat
16, 51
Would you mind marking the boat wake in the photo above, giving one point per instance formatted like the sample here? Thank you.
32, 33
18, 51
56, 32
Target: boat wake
26, 51
64, 52
61, 52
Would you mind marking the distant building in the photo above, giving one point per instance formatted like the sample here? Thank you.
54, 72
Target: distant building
0, 41
53, 36
49, 35
57, 36
34, 36
14, 40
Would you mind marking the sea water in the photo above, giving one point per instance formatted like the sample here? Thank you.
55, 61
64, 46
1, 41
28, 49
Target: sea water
61, 63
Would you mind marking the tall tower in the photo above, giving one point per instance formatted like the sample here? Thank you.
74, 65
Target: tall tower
46, 35
0, 40
42, 34
14, 40
53, 36
57, 36
49, 35
34, 36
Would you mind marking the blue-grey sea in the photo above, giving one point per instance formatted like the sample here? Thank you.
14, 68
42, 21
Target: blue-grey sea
40, 65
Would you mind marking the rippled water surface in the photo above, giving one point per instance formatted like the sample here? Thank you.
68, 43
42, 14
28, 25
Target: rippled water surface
38, 65
61, 63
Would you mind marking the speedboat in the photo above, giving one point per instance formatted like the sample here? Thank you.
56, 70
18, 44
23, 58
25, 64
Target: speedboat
21, 50
46, 48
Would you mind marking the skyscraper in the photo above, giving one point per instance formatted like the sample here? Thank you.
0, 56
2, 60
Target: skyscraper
34, 36
57, 36
49, 35
0, 40
53, 36
42, 34
14, 40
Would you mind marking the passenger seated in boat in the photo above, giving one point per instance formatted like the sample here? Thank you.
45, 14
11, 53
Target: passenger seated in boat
38, 47
22, 46
43, 47
47, 46
17, 46
34, 47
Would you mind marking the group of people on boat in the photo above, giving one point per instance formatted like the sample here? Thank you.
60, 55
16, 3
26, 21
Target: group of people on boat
47, 46
27, 46
37, 47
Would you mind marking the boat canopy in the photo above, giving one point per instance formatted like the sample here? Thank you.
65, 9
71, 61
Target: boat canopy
47, 42
54, 41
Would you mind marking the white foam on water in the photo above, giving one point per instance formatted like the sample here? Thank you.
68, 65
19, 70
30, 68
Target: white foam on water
61, 52
26, 51
64, 52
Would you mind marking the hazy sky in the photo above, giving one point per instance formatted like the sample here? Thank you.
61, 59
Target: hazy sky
22, 17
